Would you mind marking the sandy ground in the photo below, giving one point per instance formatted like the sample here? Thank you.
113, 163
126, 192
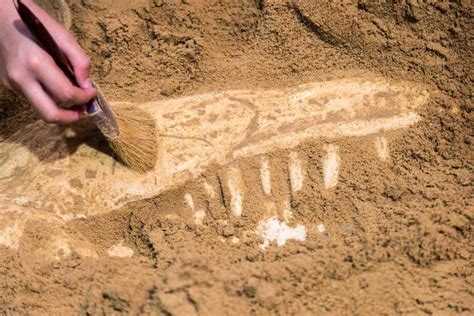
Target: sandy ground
393, 236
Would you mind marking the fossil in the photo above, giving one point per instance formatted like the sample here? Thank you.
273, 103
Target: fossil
68, 173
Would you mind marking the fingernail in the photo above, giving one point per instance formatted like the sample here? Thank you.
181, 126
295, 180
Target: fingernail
88, 83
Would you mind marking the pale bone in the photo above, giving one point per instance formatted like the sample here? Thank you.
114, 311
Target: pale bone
53, 240
234, 183
331, 166
198, 214
39, 164
295, 172
265, 176
381, 145
120, 251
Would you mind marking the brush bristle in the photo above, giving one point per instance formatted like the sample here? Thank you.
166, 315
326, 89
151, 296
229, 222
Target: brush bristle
137, 144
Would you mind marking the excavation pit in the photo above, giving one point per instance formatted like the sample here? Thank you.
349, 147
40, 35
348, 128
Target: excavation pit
313, 159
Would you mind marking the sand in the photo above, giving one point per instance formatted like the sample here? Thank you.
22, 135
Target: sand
297, 219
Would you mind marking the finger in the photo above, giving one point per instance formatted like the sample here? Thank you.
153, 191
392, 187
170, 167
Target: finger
68, 44
47, 109
80, 62
59, 87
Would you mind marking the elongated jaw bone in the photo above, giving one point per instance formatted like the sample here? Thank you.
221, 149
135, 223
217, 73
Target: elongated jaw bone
69, 172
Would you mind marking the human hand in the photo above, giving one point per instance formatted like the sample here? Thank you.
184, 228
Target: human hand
27, 69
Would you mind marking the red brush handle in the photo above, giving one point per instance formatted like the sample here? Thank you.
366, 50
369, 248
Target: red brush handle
45, 39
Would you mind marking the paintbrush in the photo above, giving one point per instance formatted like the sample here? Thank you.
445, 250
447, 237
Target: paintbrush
130, 131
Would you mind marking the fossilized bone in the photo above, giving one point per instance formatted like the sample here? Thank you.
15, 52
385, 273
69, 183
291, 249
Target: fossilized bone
58, 170
48, 238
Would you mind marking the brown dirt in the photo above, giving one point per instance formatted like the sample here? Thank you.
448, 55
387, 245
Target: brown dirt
399, 235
